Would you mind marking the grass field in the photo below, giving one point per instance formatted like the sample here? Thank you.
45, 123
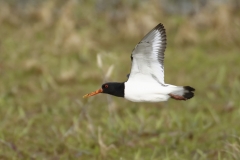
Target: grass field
48, 61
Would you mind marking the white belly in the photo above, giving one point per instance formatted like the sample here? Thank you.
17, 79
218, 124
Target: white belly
146, 92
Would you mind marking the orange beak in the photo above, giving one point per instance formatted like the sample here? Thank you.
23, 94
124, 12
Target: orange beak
93, 93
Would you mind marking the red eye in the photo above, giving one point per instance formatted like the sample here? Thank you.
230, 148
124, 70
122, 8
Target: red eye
106, 86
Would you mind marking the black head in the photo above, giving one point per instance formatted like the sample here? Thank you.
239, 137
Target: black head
112, 88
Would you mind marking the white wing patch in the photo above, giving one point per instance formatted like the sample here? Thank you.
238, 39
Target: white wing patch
148, 56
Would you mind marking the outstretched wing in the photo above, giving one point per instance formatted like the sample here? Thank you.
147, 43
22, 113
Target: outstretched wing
148, 55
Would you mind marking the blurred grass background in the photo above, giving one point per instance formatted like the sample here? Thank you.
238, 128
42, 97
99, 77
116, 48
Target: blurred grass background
48, 61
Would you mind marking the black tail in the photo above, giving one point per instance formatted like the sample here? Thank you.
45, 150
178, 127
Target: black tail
188, 92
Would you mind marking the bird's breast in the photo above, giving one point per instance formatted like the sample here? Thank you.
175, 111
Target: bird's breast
144, 92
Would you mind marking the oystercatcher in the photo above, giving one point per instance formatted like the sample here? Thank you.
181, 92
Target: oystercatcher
146, 80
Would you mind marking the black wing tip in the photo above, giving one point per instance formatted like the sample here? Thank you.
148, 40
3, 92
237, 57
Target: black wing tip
160, 27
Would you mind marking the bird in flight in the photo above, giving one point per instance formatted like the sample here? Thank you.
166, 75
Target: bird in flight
146, 80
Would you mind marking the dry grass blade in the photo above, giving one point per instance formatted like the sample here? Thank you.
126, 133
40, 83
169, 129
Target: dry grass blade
103, 147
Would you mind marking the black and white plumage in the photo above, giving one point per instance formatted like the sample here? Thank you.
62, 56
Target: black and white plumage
146, 80
148, 55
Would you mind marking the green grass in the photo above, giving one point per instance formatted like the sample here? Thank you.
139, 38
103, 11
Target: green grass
45, 72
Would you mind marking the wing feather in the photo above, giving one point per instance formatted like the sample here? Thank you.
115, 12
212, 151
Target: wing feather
148, 55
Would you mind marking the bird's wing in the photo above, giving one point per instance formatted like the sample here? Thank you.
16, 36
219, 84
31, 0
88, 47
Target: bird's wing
148, 55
